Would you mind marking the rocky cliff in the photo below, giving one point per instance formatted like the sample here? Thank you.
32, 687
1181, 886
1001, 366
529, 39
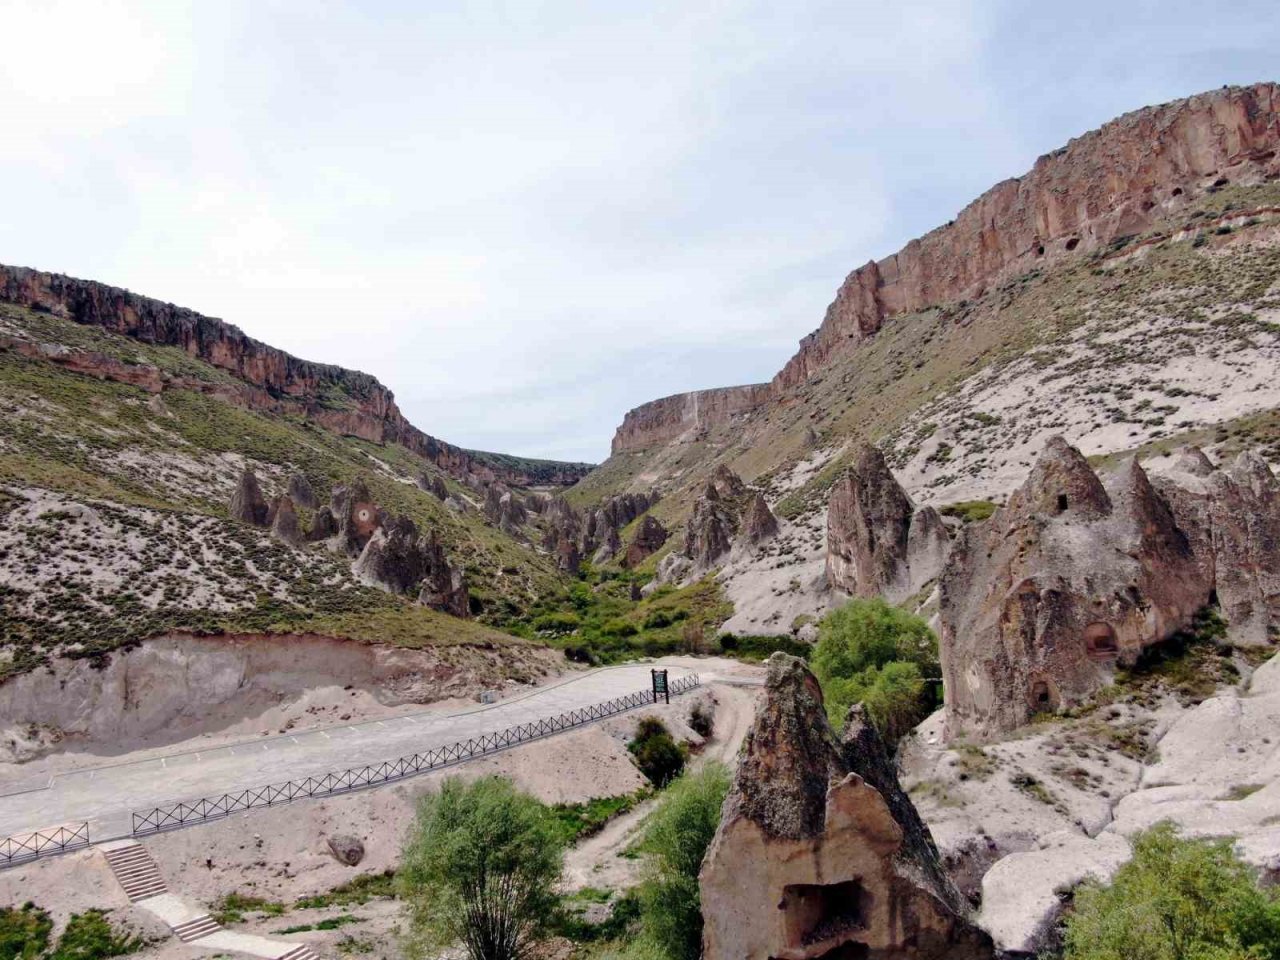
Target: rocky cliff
1110, 184
345, 401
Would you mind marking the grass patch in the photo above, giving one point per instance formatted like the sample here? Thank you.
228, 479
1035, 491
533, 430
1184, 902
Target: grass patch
577, 821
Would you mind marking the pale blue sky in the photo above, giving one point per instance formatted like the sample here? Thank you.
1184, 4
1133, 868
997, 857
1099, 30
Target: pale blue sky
526, 218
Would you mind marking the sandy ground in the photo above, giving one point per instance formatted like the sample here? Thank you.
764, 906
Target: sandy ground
282, 853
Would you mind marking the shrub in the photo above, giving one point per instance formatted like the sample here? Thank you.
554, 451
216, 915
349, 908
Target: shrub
480, 868
619, 628
969, 511
24, 933
1176, 900
656, 753
871, 653
676, 840
701, 720
89, 935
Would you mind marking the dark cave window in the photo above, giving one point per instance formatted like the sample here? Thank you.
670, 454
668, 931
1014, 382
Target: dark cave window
1100, 640
818, 912
1062, 502
1073, 243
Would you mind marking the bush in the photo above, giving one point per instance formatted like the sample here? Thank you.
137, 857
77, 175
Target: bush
619, 628
676, 840
656, 753
481, 868
24, 933
1176, 900
871, 653
701, 720
89, 936
757, 648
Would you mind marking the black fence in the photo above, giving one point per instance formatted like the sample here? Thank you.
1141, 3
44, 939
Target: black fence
211, 808
42, 843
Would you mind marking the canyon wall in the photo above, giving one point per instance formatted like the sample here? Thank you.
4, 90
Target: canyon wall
344, 401
1116, 181
661, 421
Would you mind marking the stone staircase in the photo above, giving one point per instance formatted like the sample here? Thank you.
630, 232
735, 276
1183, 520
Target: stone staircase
142, 883
136, 871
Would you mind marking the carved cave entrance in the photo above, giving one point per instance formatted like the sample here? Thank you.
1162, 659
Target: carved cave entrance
816, 913
1043, 697
1100, 641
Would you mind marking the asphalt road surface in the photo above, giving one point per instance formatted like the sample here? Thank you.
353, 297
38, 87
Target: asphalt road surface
106, 795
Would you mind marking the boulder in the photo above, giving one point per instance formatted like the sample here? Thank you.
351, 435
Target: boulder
1039, 603
710, 529
878, 543
648, 539
346, 849
300, 492
758, 522
284, 523
247, 503
819, 852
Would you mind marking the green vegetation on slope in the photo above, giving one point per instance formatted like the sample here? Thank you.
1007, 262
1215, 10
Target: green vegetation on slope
882, 657
1176, 900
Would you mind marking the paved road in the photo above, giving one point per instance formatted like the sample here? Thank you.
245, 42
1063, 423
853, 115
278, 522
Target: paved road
106, 795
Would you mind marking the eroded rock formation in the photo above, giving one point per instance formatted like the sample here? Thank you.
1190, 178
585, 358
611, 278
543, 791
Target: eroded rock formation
601, 536
284, 522
300, 492
356, 516
648, 539
819, 852
758, 522
444, 588
1039, 603
878, 543
248, 504
433, 484
709, 533
397, 559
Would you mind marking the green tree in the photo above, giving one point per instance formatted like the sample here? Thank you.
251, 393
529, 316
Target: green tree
676, 840
657, 754
481, 869
871, 653
1176, 900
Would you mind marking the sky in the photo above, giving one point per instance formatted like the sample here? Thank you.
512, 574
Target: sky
527, 218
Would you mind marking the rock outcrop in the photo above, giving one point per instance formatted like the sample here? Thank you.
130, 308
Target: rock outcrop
433, 484
300, 492
284, 523
397, 559
567, 557
444, 588
356, 517
649, 538
271, 380
709, 532
758, 522
1041, 601
248, 504
601, 536
1116, 181
1232, 516
878, 543
819, 852
346, 849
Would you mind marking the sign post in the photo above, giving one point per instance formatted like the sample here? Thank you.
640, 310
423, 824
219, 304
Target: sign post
660, 688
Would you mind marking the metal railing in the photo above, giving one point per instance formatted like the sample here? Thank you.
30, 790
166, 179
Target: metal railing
43, 843
177, 814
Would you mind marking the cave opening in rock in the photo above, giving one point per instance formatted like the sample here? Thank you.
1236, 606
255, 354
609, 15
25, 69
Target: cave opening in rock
1073, 243
1044, 698
1062, 502
815, 912
1040, 250
1100, 640
1177, 191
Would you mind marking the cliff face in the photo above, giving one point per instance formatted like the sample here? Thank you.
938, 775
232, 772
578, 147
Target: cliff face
1113, 182
662, 421
272, 379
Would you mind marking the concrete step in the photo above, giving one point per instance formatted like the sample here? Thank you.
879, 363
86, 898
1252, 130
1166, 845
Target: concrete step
195, 929
136, 872
303, 952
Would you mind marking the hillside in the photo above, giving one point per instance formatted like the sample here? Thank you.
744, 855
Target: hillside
120, 454
1125, 293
